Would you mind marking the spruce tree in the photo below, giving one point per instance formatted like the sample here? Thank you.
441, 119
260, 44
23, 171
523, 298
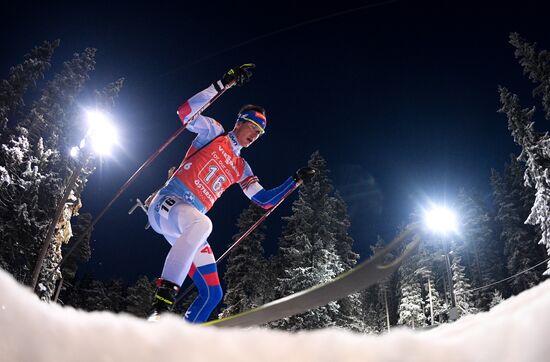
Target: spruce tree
428, 258
85, 165
307, 249
535, 145
21, 78
34, 163
525, 251
513, 202
433, 303
96, 296
117, 292
36, 173
53, 111
411, 305
344, 242
88, 294
140, 297
379, 305
24, 218
462, 288
372, 313
497, 298
245, 277
478, 246
350, 309
411, 301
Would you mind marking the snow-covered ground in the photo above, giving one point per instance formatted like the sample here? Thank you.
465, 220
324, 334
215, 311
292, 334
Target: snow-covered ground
30, 330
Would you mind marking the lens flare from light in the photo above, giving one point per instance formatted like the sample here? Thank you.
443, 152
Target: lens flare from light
74, 152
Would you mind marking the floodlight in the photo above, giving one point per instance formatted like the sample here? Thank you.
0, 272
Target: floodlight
441, 220
101, 132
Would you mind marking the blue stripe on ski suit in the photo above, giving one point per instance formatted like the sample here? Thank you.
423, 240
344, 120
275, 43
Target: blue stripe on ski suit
268, 198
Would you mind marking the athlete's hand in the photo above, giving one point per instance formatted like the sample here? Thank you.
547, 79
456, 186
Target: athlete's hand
239, 75
305, 174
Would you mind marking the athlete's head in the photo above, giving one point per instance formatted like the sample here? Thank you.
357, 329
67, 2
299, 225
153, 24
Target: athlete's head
251, 123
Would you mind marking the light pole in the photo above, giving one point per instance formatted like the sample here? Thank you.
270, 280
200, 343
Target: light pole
450, 275
99, 138
442, 221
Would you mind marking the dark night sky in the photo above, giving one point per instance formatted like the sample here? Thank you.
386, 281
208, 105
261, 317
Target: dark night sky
400, 98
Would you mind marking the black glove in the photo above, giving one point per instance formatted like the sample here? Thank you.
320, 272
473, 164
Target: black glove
239, 75
305, 174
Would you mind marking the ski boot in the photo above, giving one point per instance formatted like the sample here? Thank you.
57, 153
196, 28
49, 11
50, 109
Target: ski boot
164, 298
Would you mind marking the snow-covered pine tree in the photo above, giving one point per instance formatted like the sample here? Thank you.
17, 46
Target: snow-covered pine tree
513, 202
497, 298
349, 313
92, 294
19, 164
461, 288
95, 296
246, 274
53, 110
438, 306
35, 166
373, 310
139, 297
50, 116
344, 242
379, 304
535, 145
411, 305
73, 295
307, 249
429, 257
36, 171
104, 100
21, 78
117, 291
478, 246
88, 294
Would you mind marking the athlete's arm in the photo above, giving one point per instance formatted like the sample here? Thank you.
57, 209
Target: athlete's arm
206, 128
260, 196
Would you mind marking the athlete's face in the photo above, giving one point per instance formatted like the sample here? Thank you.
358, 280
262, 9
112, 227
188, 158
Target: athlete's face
247, 133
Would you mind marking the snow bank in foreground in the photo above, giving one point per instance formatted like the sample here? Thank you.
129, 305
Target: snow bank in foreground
30, 330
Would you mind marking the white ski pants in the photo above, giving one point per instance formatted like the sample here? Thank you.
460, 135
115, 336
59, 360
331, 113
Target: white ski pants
184, 227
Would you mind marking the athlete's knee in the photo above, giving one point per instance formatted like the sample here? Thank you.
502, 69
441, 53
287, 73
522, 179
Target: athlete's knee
205, 223
211, 295
187, 217
200, 226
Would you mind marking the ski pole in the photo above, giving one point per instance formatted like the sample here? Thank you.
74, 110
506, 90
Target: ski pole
257, 223
132, 178
243, 236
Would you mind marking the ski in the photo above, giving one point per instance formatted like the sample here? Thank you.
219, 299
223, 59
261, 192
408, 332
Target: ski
359, 278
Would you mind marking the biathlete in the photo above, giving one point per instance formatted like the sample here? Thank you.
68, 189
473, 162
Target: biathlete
212, 164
